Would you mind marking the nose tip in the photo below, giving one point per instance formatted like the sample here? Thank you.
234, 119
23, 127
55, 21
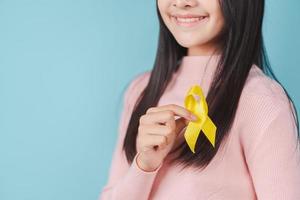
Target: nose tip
185, 3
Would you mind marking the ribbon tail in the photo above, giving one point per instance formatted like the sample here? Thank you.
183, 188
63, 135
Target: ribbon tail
191, 134
209, 129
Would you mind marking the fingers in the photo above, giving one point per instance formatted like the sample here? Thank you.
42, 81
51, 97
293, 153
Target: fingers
157, 130
180, 124
177, 110
157, 117
150, 141
158, 127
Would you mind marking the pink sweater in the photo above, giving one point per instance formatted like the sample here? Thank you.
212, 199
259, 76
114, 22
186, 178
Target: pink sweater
259, 160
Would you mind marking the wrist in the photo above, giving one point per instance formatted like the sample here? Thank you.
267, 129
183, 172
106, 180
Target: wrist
145, 166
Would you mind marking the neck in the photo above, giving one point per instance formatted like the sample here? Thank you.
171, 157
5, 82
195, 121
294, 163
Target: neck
197, 69
204, 50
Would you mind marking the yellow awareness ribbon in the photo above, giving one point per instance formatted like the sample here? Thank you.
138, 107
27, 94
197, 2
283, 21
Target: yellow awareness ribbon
199, 108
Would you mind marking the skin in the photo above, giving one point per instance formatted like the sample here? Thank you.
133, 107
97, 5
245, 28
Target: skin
159, 128
157, 132
202, 39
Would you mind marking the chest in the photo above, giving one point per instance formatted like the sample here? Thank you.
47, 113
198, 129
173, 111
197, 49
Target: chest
225, 178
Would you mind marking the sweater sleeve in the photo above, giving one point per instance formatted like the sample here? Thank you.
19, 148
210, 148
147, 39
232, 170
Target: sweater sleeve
127, 181
275, 162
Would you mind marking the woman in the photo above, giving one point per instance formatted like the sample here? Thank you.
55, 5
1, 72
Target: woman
219, 46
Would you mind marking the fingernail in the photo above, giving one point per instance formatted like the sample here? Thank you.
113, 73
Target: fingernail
194, 117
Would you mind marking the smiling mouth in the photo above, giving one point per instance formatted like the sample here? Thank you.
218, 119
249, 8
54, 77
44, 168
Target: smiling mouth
189, 21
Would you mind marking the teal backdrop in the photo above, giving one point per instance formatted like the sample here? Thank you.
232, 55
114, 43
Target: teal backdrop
64, 66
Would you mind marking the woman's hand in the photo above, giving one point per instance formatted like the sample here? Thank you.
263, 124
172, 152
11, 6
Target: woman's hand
157, 133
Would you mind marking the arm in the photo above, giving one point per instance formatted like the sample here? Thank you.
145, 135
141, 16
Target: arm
275, 162
127, 181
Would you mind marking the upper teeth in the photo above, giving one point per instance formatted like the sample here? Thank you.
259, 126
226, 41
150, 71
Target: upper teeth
192, 19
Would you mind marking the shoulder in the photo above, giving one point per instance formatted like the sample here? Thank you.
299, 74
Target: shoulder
262, 93
262, 101
266, 116
259, 84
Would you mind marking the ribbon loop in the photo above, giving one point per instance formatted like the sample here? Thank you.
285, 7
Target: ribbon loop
199, 108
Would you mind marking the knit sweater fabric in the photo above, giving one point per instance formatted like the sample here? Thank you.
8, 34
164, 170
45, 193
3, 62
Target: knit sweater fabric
260, 158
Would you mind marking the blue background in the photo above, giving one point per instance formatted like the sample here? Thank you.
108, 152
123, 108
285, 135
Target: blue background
64, 66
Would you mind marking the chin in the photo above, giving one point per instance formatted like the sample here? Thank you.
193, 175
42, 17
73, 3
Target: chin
190, 42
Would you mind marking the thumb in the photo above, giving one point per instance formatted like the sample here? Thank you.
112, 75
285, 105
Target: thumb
181, 123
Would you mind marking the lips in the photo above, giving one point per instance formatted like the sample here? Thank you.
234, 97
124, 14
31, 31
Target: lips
188, 16
188, 20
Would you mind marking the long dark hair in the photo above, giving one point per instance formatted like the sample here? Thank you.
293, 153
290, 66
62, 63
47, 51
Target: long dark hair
242, 47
